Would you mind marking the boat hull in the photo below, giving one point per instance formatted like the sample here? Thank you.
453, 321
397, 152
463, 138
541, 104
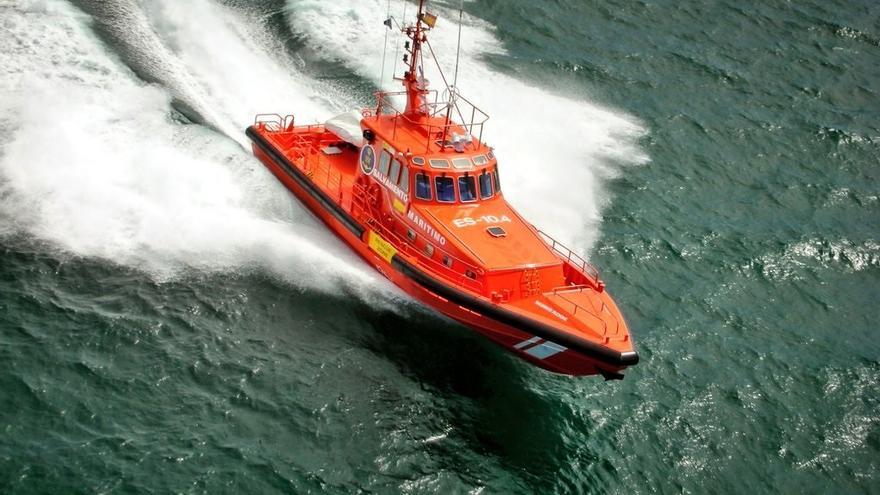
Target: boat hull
533, 341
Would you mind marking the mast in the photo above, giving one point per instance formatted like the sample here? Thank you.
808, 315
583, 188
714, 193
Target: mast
418, 110
414, 82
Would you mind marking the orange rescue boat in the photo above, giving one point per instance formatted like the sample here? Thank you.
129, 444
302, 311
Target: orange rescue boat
416, 194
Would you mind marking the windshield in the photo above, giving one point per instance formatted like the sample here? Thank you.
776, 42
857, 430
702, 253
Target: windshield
467, 188
485, 185
445, 189
423, 186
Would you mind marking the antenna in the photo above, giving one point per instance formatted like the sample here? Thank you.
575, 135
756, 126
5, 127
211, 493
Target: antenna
385, 44
397, 45
458, 48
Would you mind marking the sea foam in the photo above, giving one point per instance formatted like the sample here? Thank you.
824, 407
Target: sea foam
93, 162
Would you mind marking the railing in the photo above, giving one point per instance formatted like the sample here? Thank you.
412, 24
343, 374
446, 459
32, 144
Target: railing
457, 273
562, 291
274, 122
452, 102
576, 261
301, 143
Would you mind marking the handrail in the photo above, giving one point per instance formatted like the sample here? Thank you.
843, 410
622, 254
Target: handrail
384, 106
274, 122
304, 147
402, 245
585, 267
561, 291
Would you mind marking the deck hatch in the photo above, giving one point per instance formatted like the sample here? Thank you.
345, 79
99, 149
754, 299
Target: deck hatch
496, 231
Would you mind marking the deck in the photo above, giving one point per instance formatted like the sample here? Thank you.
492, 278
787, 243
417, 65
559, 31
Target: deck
328, 161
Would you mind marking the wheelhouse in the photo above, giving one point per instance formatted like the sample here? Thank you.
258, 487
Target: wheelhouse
462, 179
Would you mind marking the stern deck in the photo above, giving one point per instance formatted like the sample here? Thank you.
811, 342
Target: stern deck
329, 161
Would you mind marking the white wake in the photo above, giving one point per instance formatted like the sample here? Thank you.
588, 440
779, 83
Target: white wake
92, 161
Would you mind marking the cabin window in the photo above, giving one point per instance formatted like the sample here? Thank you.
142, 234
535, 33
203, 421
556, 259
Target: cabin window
485, 185
445, 189
429, 250
395, 170
462, 163
491, 155
438, 163
423, 186
447, 260
403, 183
411, 235
384, 161
495, 177
417, 160
467, 188
480, 160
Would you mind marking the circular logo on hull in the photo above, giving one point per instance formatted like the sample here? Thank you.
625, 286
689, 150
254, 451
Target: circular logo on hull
368, 159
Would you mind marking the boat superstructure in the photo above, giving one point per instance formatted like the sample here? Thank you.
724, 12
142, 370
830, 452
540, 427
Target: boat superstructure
417, 194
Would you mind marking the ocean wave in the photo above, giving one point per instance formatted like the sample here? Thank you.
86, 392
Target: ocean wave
817, 254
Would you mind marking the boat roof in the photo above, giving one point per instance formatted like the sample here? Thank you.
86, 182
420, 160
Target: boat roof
424, 137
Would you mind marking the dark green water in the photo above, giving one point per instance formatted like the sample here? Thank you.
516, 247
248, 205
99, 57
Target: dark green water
172, 321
